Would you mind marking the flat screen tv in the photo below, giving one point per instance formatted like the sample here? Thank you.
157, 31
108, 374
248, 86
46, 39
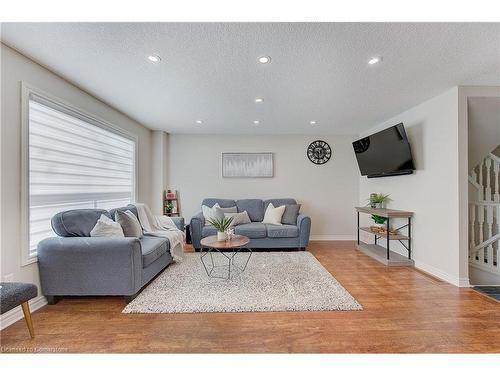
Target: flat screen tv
386, 153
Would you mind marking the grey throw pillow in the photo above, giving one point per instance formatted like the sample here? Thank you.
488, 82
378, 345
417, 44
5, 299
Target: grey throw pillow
129, 222
239, 218
290, 215
219, 211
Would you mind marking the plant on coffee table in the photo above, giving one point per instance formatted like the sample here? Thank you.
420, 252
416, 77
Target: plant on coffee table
221, 225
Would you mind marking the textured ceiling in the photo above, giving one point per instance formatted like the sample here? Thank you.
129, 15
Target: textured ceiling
209, 71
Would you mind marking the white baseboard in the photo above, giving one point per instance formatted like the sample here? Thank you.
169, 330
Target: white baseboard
332, 237
457, 281
12, 316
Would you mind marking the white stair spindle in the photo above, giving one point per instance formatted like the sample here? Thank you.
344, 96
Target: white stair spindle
480, 222
472, 225
481, 182
496, 170
489, 234
497, 220
487, 190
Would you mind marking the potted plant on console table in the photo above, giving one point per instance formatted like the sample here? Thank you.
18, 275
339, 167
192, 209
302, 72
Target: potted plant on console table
221, 225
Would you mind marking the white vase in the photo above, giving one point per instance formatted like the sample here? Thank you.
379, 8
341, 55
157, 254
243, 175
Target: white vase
221, 236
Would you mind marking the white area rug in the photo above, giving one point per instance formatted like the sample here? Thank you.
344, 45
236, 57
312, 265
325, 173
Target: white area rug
276, 281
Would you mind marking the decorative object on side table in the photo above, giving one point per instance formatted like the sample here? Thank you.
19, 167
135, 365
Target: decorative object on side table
378, 200
221, 224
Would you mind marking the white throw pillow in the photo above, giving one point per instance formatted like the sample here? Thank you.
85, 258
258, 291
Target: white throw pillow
273, 215
105, 227
238, 218
210, 213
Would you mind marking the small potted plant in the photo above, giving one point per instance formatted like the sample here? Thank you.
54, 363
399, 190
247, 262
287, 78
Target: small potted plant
221, 225
378, 200
169, 206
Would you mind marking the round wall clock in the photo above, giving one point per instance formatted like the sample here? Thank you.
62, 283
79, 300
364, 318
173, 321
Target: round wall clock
319, 152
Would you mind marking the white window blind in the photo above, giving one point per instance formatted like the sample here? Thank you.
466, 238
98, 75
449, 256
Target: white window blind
73, 163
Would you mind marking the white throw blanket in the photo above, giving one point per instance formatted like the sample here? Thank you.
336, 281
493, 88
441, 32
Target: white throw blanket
162, 226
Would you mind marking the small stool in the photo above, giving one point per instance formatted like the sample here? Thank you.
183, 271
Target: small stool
15, 294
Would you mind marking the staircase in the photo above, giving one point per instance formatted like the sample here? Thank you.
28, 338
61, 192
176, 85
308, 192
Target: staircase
484, 221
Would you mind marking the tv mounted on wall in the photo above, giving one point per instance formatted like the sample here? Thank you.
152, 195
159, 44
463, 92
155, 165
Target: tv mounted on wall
386, 153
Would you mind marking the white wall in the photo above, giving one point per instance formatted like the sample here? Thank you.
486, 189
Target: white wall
159, 164
483, 127
14, 69
432, 192
327, 193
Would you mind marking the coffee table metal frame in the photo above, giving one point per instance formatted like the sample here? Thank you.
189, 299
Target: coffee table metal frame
233, 251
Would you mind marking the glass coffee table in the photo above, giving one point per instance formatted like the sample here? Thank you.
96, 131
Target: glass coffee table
227, 250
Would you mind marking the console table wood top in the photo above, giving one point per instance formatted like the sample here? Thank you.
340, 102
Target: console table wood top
384, 212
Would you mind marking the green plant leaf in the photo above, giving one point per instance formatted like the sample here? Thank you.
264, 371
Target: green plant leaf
221, 224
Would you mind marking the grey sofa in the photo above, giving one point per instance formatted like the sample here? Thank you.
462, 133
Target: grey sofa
76, 264
262, 236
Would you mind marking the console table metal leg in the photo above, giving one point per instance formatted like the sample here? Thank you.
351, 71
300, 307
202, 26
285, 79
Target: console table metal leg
387, 228
358, 227
409, 238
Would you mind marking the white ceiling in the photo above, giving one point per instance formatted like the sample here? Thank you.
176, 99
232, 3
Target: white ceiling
209, 71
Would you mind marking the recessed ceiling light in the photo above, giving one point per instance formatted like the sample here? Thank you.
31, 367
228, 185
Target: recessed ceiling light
199, 122
264, 59
312, 122
256, 122
154, 58
374, 60
259, 100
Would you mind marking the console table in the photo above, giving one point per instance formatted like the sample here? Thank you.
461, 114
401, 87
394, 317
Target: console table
384, 254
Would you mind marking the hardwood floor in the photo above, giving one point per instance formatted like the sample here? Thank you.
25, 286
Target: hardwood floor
403, 311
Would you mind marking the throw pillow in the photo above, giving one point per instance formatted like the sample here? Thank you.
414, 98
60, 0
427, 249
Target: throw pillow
273, 215
290, 214
216, 212
129, 222
221, 212
105, 227
209, 213
238, 218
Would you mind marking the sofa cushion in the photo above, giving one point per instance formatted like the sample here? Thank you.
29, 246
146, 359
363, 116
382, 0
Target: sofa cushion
238, 218
273, 214
253, 207
210, 202
152, 248
279, 202
252, 230
76, 223
282, 231
208, 230
290, 214
129, 207
106, 227
129, 223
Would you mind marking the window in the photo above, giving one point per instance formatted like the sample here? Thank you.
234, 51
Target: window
74, 161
